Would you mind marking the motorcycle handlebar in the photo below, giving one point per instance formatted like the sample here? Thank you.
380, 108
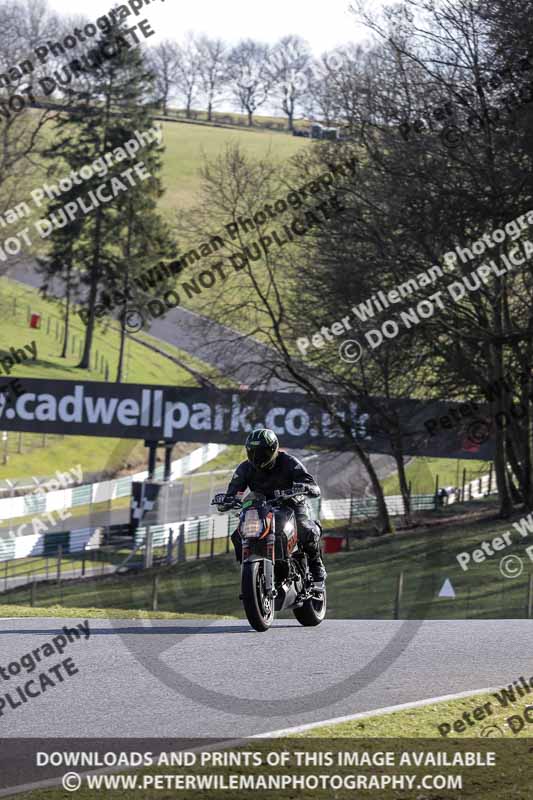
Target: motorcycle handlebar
279, 496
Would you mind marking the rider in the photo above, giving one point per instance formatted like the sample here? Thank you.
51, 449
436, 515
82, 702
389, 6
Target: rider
268, 469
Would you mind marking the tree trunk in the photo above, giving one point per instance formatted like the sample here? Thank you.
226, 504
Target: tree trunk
127, 254
210, 111
122, 347
67, 315
502, 478
383, 514
250, 118
404, 485
95, 267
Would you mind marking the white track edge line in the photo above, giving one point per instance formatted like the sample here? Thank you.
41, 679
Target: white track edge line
377, 712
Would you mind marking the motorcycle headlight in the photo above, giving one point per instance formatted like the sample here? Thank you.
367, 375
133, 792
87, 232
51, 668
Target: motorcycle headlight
252, 527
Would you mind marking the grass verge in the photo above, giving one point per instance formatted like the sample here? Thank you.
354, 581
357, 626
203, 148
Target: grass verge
423, 722
7, 611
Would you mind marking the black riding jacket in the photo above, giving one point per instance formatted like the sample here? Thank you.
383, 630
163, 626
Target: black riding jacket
285, 471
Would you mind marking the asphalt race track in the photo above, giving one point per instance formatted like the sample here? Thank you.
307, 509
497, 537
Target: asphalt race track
200, 679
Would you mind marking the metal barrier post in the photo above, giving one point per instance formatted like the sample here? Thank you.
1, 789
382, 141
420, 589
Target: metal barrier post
148, 549
212, 525
529, 597
59, 557
198, 540
83, 560
155, 591
33, 592
228, 535
398, 598
5, 575
182, 554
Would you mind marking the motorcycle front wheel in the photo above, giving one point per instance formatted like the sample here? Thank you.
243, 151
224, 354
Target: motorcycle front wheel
258, 606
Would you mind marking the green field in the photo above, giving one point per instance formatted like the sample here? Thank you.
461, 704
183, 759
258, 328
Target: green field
188, 145
362, 583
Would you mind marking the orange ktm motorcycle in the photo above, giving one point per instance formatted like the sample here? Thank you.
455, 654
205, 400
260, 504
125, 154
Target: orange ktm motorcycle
275, 574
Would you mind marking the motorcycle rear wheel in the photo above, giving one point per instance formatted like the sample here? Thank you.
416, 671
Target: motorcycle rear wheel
258, 607
312, 612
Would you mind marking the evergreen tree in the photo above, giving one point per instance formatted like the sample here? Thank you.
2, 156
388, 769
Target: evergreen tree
114, 209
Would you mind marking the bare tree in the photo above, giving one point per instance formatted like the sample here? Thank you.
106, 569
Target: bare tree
213, 69
250, 76
188, 72
261, 296
322, 99
163, 60
431, 84
289, 61
24, 24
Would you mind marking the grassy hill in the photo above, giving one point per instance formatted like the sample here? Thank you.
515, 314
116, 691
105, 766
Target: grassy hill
188, 145
186, 148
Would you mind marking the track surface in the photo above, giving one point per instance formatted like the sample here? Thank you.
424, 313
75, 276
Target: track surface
166, 678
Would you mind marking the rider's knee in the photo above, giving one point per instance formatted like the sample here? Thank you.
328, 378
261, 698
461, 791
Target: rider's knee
310, 537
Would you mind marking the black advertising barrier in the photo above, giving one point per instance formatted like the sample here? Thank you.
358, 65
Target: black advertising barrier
168, 413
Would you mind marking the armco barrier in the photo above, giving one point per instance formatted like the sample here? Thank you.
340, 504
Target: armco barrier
13, 507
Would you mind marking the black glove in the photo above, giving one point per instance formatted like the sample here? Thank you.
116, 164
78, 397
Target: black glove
226, 506
301, 488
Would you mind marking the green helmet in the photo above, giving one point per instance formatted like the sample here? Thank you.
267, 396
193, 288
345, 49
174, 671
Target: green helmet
262, 448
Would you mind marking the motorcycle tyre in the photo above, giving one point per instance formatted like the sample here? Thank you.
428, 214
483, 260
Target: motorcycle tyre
251, 577
308, 615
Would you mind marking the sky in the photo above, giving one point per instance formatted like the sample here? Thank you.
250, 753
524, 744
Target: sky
324, 25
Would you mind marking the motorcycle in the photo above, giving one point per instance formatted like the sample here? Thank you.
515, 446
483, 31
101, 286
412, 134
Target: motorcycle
274, 574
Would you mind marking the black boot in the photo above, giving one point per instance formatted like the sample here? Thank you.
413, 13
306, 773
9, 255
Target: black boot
317, 569
237, 544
